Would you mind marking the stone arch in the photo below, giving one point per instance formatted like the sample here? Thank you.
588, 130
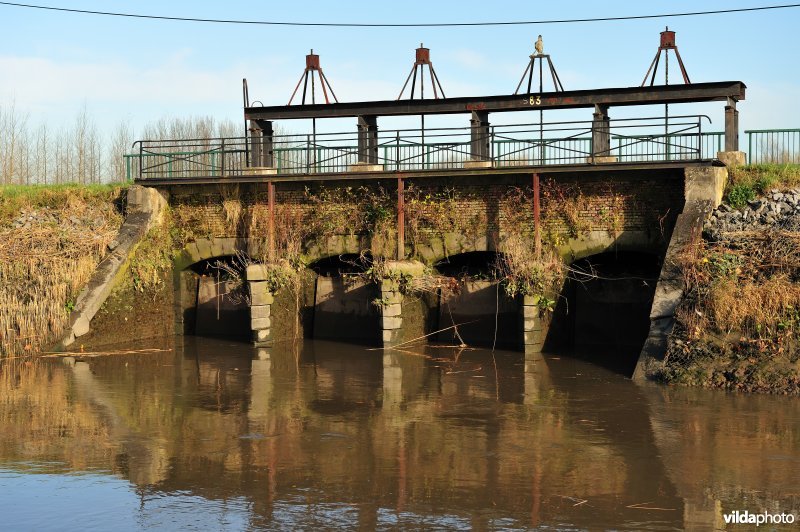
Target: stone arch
344, 306
209, 248
441, 246
598, 242
190, 289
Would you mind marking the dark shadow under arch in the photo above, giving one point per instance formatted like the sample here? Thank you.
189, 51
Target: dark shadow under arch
215, 299
603, 311
343, 306
488, 316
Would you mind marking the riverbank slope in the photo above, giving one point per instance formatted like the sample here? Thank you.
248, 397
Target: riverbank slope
51, 240
737, 327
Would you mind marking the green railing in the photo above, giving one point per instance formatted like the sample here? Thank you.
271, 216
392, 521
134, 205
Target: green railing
773, 146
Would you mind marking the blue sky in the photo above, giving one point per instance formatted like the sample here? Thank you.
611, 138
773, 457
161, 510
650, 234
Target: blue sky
52, 64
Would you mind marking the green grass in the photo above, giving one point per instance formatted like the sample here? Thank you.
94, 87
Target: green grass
13, 198
748, 182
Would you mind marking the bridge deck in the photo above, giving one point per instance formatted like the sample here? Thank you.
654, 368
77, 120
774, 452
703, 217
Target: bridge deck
586, 169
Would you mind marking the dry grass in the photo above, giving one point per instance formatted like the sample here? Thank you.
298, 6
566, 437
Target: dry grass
739, 324
756, 309
44, 266
748, 284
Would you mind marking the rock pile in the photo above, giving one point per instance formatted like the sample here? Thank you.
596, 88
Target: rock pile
775, 210
30, 217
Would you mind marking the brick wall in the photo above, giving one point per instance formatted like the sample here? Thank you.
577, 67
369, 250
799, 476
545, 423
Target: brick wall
488, 206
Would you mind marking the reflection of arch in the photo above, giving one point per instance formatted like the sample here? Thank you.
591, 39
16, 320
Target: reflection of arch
604, 307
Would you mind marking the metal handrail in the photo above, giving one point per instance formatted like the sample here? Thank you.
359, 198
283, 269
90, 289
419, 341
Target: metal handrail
631, 140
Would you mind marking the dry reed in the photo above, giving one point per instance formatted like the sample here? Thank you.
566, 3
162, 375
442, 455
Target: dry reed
45, 263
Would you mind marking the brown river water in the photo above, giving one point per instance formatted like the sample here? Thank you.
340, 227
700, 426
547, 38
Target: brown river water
219, 435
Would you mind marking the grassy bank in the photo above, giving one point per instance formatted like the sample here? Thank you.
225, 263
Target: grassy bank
748, 182
51, 239
738, 325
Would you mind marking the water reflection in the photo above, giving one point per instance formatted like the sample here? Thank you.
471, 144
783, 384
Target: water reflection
328, 435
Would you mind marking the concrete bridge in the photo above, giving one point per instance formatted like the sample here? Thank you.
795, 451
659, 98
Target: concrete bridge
611, 201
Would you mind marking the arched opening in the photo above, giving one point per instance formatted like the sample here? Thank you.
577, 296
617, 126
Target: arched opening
216, 298
479, 306
344, 306
603, 312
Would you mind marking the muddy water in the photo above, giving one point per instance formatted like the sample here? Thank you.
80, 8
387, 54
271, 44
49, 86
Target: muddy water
219, 435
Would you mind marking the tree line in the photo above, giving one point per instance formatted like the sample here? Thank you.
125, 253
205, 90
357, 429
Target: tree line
37, 153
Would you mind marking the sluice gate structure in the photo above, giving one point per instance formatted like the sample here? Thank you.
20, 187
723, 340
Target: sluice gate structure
614, 197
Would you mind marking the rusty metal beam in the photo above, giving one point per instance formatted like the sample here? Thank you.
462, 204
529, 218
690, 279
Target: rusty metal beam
401, 219
271, 223
663, 94
537, 226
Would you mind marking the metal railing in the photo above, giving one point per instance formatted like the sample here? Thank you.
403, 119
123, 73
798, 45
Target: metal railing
773, 146
629, 141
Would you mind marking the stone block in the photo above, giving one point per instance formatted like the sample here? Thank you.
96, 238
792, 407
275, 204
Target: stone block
335, 245
533, 352
530, 312
391, 336
259, 287
351, 244
262, 336
732, 159
453, 243
258, 324
392, 323
530, 301
533, 337
256, 272
365, 167
261, 298
477, 164
193, 252
392, 297
406, 267
228, 246
705, 183
531, 324
216, 248
392, 310
259, 170
81, 326
389, 285
261, 311
601, 159
69, 340
666, 300
204, 247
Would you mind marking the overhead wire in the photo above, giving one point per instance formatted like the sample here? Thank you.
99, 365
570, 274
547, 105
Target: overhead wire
397, 25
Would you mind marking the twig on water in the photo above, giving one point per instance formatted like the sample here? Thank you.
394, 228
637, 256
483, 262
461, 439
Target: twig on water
59, 354
641, 506
421, 337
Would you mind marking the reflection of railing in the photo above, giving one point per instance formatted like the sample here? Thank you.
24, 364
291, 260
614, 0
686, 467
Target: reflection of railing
625, 141
773, 146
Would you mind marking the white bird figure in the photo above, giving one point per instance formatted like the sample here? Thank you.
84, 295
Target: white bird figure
539, 46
